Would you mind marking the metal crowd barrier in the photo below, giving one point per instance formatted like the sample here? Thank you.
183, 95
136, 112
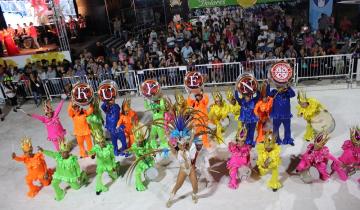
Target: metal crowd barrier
168, 77
216, 74
345, 66
329, 66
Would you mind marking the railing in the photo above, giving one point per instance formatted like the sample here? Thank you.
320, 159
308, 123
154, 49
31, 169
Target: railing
345, 66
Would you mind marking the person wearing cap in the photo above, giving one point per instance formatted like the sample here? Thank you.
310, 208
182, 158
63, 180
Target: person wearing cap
51, 120
36, 167
200, 104
67, 170
82, 130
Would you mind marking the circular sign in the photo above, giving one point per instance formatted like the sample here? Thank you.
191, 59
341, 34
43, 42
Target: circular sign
150, 89
247, 84
82, 94
281, 72
193, 82
107, 90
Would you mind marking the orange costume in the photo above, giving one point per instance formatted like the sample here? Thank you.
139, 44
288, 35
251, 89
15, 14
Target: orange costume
203, 116
262, 111
36, 166
81, 127
128, 118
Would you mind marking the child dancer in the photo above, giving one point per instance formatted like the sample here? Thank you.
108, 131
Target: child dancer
36, 166
128, 119
67, 170
51, 120
262, 111
318, 155
218, 112
234, 107
240, 156
81, 127
158, 108
95, 120
269, 160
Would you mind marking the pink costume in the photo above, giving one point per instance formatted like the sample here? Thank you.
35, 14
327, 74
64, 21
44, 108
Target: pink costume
319, 159
351, 155
53, 125
240, 156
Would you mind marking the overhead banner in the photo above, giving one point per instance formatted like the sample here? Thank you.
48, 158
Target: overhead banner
316, 8
194, 4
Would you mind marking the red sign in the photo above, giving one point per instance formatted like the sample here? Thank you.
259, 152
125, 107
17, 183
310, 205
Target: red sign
107, 90
150, 88
82, 94
281, 72
193, 81
247, 84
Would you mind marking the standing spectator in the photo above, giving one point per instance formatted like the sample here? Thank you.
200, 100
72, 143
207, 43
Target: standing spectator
10, 92
345, 25
33, 34
72, 26
36, 88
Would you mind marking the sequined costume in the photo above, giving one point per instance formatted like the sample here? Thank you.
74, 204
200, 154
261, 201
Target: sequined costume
112, 112
67, 170
36, 167
312, 108
247, 116
128, 119
262, 111
140, 149
81, 127
240, 156
202, 117
234, 107
157, 132
351, 151
318, 155
269, 160
281, 112
96, 121
105, 162
218, 112
54, 128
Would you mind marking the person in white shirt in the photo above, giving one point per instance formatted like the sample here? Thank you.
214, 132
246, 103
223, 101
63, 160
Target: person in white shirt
202, 163
170, 41
186, 51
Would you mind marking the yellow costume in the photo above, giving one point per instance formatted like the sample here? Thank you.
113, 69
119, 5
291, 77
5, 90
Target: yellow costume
269, 159
308, 113
218, 112
234, 107
180, 104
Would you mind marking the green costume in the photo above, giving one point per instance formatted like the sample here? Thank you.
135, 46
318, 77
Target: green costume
144, 162
105, 162
95, 120
158, 111
67, 170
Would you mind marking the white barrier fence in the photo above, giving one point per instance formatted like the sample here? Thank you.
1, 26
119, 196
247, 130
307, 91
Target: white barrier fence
345, 66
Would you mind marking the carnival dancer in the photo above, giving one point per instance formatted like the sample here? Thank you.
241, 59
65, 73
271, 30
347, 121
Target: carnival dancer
128, 118
67, 170
318, 155
180, 103
240, 156
105, 162
269, 160
158, 108
351, 152
169, 115
96, 121
51, 120
81, 127
234, 107
281, 111
218, 113
202, 163
144, 153
308, 108
183, 135
36, 167
247, 115
262, 111
200, 104
112, 111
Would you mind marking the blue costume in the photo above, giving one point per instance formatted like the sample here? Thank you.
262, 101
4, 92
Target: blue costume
281, 113
112, 117
247, 116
